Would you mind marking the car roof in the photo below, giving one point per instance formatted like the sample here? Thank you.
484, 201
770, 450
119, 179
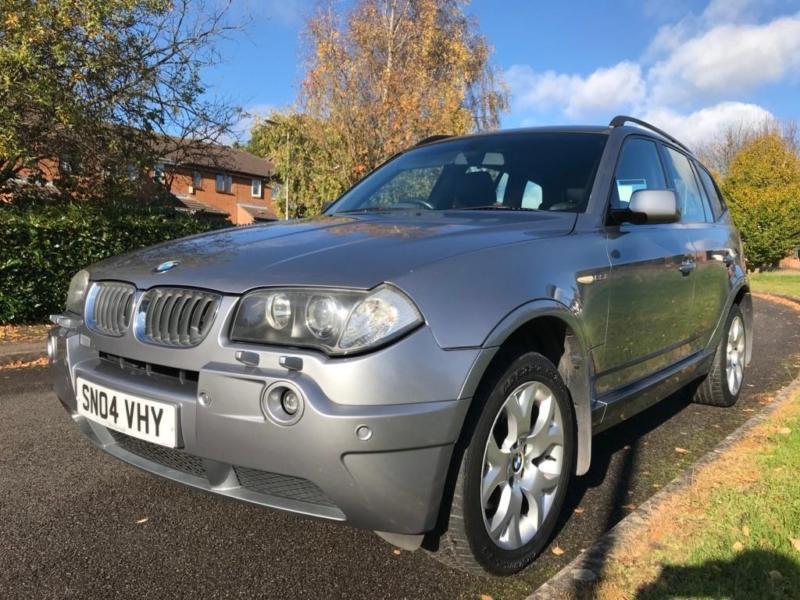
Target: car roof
595, 129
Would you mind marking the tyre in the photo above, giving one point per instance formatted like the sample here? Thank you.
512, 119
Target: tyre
514, 472
723, 384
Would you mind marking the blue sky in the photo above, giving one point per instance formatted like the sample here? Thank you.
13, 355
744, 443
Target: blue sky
692, 67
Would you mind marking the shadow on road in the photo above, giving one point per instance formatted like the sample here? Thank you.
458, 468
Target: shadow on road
751, 574
621, 474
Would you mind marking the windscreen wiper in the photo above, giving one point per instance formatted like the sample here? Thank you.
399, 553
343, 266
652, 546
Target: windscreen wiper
373, 209
492, 207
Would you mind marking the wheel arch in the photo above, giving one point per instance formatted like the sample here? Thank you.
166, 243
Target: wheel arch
550, 328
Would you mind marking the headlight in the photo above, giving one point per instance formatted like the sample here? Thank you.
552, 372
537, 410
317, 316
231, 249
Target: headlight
77, 292
336, 321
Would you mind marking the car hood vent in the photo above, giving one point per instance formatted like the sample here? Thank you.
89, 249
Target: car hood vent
175, 317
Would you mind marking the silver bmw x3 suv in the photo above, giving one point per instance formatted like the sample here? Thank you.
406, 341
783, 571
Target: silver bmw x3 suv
430, 357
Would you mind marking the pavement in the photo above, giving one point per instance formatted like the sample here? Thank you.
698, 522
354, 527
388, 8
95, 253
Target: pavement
76, 523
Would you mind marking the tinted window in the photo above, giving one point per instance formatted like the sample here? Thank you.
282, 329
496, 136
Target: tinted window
690, 199
638, 168
713, 194
536, 171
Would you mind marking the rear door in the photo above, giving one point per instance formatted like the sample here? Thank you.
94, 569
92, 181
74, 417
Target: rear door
650, 284
715, 243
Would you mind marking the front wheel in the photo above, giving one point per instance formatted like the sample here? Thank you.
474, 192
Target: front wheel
514, 473
723, 384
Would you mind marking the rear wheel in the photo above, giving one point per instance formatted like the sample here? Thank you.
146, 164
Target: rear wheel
514, 473
723, 384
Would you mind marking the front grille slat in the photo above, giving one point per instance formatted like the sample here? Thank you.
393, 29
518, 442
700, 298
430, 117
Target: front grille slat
108, 307
177, 317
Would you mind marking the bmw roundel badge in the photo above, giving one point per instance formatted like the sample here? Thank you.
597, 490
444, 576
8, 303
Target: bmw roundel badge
166, 266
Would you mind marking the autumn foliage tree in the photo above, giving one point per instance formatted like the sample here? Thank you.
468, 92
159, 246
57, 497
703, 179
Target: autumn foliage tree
101, 81
383, 76
762, 187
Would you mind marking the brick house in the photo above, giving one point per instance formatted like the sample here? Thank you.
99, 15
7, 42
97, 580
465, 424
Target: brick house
220, 180
212, 178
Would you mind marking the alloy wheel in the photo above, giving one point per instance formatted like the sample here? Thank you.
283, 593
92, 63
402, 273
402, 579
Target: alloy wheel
522, 464
734, 355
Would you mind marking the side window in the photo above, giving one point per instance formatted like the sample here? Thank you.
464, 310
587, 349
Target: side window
690, 199
717, 205
639, 168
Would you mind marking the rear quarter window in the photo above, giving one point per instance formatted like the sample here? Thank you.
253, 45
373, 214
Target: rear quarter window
714, 195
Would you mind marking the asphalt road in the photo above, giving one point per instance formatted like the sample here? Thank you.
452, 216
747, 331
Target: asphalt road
76, 523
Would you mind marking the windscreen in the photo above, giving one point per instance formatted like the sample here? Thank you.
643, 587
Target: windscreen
514, 171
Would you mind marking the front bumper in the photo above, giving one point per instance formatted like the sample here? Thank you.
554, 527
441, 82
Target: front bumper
409, 395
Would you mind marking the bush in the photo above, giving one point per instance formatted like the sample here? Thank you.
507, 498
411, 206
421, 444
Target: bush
762, 187
42, 246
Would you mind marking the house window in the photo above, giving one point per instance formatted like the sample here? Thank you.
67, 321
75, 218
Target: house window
158, 173
68, 165
255, 188
197, 181
224, 183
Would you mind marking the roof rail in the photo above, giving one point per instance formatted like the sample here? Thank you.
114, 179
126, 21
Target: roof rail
620, 120
432, 138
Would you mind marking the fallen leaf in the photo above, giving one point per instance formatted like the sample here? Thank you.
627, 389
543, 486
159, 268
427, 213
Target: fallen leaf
681, 450
143, 520
775, 575
738, 546
579, 510
784, 431
396, 551
556, 550
746, 531
629, 506
795, 543
485, 597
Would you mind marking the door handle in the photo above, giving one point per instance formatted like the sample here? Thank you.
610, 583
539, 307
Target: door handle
687, 266
729, 259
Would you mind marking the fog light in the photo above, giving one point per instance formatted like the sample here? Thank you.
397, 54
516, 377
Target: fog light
290, 402
282, 403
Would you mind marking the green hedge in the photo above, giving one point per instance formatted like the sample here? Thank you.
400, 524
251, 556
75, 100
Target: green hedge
41, 247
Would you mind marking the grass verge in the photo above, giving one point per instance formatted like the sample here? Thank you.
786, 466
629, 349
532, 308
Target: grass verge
786, 283
733, 533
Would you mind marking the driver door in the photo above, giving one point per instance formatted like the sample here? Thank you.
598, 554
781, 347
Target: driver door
650, 283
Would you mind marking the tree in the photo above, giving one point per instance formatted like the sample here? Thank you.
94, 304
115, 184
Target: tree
101, 82
718, 152
380, 78
762, 188
309, 169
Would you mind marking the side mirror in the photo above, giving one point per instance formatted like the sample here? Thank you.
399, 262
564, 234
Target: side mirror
650, 206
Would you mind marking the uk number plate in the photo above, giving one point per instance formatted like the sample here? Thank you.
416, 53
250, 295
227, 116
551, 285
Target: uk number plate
137, 417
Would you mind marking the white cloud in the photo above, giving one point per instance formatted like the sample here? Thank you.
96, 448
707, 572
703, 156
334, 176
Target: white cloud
602, 90
707, 124
725, 60
693, 79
